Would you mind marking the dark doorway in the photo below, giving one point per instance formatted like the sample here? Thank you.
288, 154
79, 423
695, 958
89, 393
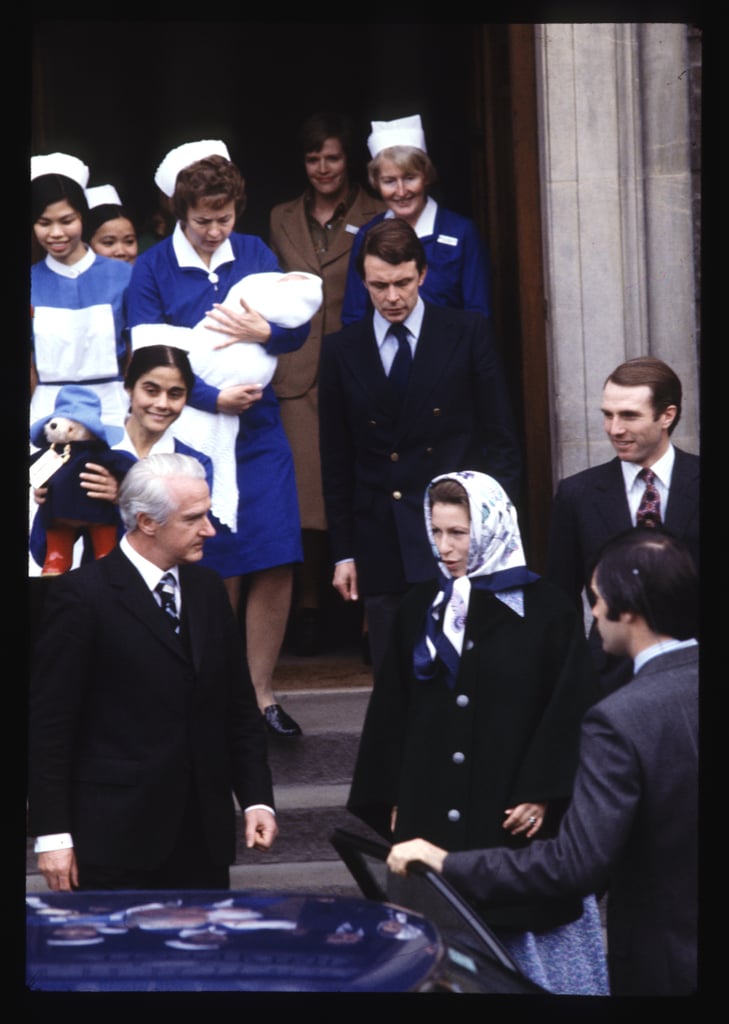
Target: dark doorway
120, 94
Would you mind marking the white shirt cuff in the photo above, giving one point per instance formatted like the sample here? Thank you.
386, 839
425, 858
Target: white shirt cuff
59, 841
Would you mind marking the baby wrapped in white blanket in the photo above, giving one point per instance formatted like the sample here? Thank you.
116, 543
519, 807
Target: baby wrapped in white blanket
287, 300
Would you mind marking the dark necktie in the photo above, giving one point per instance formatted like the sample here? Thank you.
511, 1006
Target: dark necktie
400, 369
165, 591
649, 510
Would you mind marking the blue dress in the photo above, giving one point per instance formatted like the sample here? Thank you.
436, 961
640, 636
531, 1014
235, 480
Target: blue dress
79, 331
459, 268
162, 291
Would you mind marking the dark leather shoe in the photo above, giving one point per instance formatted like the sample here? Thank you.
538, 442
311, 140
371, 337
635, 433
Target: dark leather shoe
279, 723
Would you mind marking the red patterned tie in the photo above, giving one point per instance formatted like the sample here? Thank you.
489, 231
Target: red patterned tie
649, 510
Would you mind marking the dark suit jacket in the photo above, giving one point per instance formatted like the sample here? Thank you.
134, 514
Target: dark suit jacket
524, 684
126, 716
589, 509
378, 457
631, 827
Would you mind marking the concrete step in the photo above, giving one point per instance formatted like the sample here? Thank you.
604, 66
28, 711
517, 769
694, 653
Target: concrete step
331, 721
327, 877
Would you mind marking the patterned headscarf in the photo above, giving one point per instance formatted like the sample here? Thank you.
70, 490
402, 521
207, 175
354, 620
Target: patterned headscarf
495, 563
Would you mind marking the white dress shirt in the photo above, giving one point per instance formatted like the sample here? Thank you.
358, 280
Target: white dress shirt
387, 343
151, 573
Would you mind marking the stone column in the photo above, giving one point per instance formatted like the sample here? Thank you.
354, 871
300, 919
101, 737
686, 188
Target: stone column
615, 157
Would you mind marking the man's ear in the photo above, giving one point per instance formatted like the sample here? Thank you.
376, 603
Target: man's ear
668, 416
146, 524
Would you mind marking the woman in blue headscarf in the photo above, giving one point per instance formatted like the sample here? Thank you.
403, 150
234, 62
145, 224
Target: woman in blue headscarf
471, 734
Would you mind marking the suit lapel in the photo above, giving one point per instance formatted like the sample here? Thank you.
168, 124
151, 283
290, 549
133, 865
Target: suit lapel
360, 355
339, 247
610, 504
440, 338
683, 494
609, 501
136, 598
296, 229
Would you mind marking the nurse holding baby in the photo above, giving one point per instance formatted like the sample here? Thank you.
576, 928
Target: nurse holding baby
179, 295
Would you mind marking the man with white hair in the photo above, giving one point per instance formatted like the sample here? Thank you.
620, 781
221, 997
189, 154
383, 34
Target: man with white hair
143, 720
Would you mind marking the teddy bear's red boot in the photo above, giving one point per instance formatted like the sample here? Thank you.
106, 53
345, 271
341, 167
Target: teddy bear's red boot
103, 538
59, 551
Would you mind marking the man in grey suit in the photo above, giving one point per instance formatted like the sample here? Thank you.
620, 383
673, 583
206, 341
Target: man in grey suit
641, 407
631, 826
143, 720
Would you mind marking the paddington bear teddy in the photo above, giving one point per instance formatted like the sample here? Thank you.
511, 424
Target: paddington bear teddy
72, 436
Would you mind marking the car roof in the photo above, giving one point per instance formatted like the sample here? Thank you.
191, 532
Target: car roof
225, 941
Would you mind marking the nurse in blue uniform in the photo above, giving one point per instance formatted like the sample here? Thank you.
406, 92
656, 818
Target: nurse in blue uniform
458, 260
109, 227
174, 285
77, 303
77, 297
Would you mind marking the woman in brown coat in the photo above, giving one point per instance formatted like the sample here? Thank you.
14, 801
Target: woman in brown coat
314, 233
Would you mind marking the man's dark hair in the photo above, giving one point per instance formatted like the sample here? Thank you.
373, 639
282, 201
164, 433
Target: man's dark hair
658, 376
652, 574
395, 242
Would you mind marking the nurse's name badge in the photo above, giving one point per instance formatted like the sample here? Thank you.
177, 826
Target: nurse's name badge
47, 464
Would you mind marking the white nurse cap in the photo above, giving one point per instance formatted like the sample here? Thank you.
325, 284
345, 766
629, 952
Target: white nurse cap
102, 195
60, 163
403, 131
177, 159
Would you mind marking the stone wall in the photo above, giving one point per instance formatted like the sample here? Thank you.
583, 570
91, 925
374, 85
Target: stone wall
619, 202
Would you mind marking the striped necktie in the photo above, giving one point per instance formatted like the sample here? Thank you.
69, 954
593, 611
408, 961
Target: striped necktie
165, 591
